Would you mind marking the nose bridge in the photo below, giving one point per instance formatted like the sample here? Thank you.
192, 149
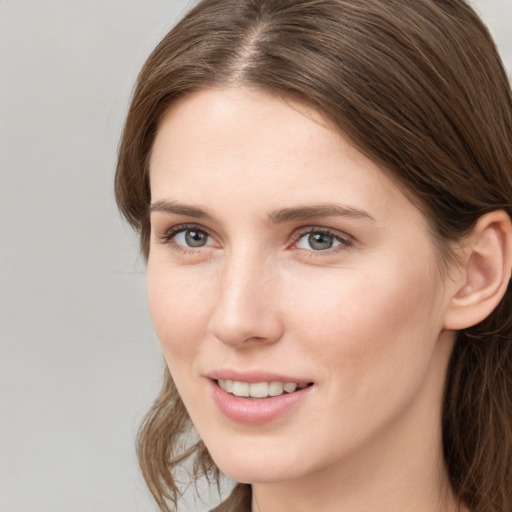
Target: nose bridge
246, 309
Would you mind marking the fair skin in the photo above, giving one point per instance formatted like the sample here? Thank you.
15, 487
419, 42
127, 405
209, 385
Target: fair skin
278, 249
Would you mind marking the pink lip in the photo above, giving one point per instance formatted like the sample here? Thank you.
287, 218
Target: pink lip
256, 376
260, 410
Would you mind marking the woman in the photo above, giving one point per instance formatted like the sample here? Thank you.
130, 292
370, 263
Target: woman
323, 194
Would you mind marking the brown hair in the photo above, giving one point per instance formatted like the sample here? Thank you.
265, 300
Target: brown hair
418, 87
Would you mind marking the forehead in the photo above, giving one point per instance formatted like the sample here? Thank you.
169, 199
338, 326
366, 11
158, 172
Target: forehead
249, 149
230, 121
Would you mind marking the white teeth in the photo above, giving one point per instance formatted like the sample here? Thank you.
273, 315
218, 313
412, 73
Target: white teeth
290, 387
259, 389
275, 388
240, 388
226, 385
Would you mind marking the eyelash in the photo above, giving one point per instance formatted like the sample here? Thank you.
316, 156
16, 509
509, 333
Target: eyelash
170, 235
344, 241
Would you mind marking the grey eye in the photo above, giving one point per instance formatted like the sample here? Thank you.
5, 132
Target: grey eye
194, 238
191, 238
320, 241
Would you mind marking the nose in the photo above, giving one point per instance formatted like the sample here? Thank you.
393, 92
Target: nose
247, 311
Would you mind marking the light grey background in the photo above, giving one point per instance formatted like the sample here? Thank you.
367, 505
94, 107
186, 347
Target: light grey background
79, 363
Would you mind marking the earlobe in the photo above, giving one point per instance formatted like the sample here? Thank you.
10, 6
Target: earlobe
485, 272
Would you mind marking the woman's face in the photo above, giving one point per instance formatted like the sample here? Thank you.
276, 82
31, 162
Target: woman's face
281, 255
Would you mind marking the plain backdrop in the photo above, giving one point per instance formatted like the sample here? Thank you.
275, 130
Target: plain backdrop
79, 363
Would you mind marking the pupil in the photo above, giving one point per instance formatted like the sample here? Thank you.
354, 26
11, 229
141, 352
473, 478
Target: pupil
195, 238
320, 241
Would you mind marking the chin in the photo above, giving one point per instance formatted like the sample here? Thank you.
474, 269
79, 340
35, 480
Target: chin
247, 473
259, 463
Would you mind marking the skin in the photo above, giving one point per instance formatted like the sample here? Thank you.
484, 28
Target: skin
363, 320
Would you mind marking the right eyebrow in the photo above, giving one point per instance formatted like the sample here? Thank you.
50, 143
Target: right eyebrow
317, 210
176, 208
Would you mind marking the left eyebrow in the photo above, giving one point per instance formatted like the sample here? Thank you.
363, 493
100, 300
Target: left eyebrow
173, 207
318, 210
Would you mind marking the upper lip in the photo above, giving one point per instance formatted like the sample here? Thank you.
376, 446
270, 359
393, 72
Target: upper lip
255, 376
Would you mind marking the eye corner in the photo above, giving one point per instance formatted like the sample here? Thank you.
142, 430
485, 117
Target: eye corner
185, 238
327, 241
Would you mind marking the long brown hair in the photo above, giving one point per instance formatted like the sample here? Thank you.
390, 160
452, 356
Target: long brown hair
419, 88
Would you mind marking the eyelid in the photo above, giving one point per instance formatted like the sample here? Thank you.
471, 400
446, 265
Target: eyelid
169, 235
346, 241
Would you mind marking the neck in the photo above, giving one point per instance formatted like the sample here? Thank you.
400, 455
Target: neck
401, 469
417, 491
370, 483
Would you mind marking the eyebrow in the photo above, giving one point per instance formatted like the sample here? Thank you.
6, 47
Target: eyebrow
173, 207
319, 210
275, 217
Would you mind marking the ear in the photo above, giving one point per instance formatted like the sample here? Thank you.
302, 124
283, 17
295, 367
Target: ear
484, 274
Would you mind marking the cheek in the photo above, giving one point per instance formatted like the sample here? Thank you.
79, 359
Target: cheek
180, 305
355, 301
376, 329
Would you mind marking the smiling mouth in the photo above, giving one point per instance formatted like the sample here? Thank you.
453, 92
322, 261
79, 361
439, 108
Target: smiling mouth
260, 389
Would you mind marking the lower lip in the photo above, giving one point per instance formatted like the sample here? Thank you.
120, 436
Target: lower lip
259, 410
